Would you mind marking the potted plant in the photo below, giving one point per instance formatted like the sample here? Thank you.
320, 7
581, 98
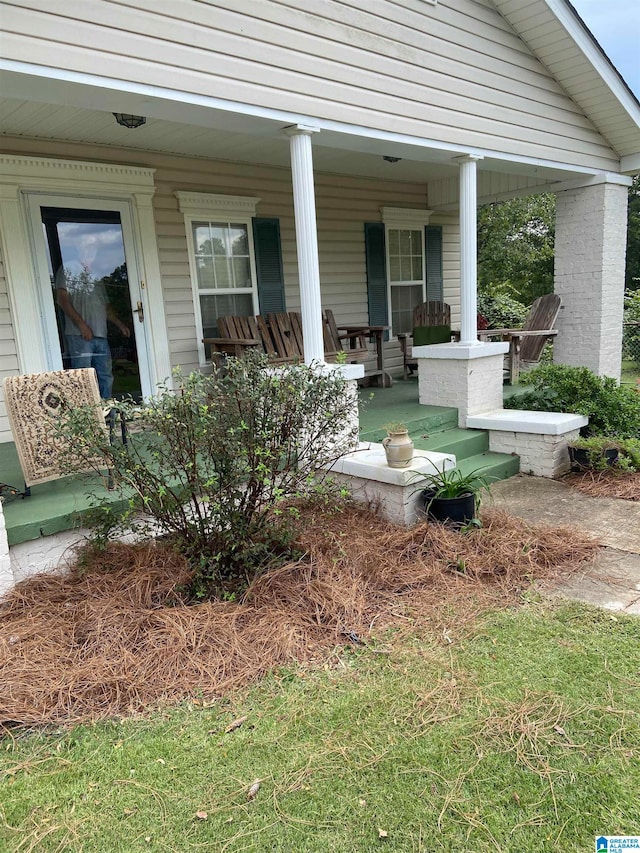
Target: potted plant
595, 452
451, 495
398, 447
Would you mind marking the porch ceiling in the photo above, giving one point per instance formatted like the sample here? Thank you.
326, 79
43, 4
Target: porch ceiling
49, 109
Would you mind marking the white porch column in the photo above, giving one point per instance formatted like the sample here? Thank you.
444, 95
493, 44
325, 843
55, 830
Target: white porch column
468, 250
590, 246
307, 240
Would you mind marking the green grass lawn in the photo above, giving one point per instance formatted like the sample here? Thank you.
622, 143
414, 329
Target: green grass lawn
630, 374
523, 736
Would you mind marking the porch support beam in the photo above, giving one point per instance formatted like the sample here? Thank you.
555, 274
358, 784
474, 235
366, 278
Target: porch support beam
468, 249
304, 206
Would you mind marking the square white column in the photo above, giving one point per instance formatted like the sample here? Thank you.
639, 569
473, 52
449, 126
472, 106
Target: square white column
590, 247
467, 377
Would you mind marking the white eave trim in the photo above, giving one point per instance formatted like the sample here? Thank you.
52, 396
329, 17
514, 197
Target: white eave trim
630, 165
212, 204
597, 58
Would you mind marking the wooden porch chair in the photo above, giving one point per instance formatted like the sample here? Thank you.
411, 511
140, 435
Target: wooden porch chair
526, 344
431, 325
352, 340
280, 337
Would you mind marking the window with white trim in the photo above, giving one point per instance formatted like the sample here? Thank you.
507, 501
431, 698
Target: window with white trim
221, 258
406, 276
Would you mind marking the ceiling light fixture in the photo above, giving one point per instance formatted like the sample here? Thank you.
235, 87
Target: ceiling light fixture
130, 121
391, 159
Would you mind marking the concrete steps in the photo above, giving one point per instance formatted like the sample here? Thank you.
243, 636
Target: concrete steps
436, 429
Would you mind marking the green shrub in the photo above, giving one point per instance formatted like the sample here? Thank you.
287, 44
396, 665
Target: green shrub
612, 410
219, 465
596, 447
501, 311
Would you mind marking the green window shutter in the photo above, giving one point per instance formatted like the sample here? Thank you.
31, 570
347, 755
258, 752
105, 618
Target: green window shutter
266, 242
433, 243
376, 274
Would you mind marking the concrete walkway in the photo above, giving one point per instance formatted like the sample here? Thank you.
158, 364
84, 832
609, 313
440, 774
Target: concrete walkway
613, 581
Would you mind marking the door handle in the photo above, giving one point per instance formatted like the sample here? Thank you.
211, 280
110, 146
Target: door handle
140, 312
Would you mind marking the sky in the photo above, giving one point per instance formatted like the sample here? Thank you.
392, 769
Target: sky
616, 26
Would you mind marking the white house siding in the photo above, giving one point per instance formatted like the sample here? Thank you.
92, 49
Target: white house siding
545, 34
344, 204
454, 71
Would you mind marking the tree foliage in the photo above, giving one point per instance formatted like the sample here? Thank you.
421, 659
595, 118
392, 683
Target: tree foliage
632, 274
516, 246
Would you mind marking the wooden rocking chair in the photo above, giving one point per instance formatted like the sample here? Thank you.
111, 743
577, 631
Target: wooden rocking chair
526, 344
431, 325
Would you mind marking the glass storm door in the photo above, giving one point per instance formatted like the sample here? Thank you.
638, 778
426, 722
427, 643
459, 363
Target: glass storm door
85, 247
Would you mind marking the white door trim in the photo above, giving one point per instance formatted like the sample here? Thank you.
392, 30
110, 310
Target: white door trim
20, 176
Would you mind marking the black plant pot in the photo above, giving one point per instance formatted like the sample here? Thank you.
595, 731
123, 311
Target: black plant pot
458, 510
580, 458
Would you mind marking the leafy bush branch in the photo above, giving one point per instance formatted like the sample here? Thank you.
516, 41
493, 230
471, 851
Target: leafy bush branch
218, 465
612, 410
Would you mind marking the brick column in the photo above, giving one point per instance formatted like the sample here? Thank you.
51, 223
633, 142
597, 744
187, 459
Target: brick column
466, 377
590, 246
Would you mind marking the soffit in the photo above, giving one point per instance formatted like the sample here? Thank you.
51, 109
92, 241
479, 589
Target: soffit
241, 139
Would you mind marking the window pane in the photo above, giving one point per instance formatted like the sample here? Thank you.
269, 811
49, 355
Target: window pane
202, 238
403, 301
405, 255
218, 239
222, 255
406, 273
212, 307
405, 242
394, 268
241, 272
239, 240
223, 273
206, 279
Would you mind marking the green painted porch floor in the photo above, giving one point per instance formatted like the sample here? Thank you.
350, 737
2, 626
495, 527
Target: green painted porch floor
57, 506
52, 507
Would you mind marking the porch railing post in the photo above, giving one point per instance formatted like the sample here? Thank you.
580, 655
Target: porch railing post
468, 250
307, 240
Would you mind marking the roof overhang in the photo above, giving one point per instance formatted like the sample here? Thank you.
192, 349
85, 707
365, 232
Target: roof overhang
83, 104
560, 39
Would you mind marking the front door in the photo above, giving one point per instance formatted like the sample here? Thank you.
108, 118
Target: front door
90, 296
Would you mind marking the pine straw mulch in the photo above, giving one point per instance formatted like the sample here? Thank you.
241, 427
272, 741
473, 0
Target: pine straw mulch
118, 639
607, 484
